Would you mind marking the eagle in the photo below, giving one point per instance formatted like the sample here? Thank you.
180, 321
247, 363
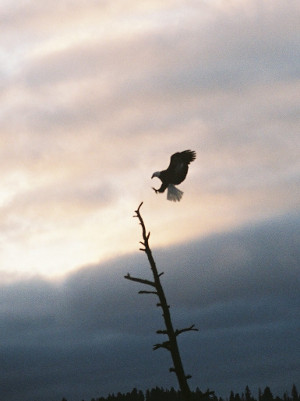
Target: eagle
175, 174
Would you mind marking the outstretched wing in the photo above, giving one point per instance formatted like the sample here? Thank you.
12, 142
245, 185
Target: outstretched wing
188, 156
180, 159
178, 167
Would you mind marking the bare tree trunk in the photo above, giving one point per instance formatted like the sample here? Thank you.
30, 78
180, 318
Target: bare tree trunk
171, 343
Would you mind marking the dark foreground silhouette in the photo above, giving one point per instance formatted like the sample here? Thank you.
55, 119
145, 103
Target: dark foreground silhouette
160, 394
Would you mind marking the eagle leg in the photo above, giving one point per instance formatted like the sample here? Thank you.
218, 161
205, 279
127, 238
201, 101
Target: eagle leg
161, 189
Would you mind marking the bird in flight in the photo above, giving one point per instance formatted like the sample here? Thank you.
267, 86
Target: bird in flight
175, 174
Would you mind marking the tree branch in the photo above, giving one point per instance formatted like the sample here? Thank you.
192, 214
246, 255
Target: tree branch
165, 344
171, 344
139, 280
161, 332
148, 292
191, 328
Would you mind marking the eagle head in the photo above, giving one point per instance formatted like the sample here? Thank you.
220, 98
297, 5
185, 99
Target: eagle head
156, 174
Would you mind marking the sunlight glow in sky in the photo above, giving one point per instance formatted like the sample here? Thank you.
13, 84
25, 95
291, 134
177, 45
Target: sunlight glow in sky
95, 97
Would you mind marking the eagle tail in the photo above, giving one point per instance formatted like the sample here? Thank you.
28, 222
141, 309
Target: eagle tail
174, 194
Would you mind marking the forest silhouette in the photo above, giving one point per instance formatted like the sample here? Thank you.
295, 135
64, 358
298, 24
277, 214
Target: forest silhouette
160, 394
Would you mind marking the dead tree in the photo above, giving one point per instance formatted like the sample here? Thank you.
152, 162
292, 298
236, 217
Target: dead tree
156, 288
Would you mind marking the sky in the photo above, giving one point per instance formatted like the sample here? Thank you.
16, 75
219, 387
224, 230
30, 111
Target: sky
94, 97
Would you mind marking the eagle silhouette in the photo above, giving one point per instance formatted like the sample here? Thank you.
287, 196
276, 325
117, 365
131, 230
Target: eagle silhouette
175, 174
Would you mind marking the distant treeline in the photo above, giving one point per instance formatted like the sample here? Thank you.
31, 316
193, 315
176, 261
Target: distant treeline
160, 394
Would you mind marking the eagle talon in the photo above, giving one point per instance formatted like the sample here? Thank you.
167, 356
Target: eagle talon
155, 190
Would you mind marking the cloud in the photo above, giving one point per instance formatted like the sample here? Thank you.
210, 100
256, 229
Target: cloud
95, 96
209, 58
73, 338
90, 108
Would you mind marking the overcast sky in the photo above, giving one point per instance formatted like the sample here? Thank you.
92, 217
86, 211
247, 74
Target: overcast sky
94, 97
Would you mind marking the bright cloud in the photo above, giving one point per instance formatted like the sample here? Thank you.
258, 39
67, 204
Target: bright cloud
97, 96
